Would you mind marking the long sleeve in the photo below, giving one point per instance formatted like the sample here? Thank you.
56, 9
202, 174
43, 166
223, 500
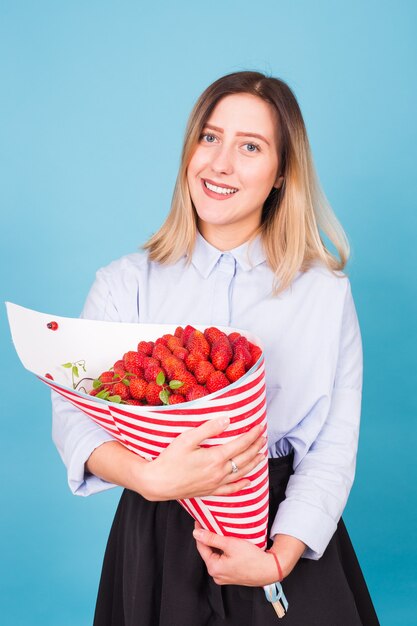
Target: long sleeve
74, 433
317, 492
76, 436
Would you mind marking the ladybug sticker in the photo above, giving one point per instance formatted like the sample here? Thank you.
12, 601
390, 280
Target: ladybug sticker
52, 326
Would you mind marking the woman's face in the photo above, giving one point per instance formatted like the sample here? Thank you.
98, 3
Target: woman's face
232, 172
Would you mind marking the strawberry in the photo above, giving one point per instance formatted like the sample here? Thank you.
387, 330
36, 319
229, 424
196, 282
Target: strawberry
150, 360
160, 351
193, 359
122, 390
146, 347
179, 331
138, 373
181, 353
133, 402
202, 371
138, 388
198, 343
174, 342
195, 392
236, 370
94, 392
240, 353
152, 370
221, 353
173, 366
188, 379
213, 333
240, 341
255, 353
234, 336
142, 358
152, 394
217, 380
187, 332
175, 398
163, 340
106, 377
119, 369
131, 362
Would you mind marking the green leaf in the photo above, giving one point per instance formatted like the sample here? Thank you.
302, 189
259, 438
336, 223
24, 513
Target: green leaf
126, 382
164, 395
117, 399
67, 365
115, 377
175, 384
103, 394
160, 379
75, 371
96, 383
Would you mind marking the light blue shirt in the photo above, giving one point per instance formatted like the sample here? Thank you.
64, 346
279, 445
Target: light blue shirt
313, 358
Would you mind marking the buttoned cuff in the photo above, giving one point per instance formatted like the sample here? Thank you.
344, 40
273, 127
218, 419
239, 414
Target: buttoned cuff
305, 522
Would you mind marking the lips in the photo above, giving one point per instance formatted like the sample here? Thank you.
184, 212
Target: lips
212, 182
215, 195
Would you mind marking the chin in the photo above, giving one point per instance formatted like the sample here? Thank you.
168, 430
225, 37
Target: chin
214, 220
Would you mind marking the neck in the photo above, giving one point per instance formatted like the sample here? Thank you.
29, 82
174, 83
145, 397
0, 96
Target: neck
225, 238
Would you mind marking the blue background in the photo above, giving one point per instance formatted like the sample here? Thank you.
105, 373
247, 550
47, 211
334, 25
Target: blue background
94, 100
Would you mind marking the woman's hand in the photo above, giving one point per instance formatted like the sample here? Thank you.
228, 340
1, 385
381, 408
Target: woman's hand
185, 469
232, 561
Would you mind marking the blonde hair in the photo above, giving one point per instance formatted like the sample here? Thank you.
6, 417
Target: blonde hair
292, 215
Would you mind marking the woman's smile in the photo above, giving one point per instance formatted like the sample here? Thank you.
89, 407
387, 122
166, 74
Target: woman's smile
218, 192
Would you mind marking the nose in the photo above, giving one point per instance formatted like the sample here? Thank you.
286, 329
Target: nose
222, 159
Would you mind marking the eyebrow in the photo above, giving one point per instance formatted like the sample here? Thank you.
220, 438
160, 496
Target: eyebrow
240, 134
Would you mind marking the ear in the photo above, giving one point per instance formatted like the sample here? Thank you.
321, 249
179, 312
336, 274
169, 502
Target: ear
278, 182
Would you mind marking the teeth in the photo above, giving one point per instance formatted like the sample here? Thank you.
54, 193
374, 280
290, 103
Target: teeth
221, 190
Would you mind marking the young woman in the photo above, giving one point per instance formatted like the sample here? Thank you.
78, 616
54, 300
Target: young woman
241, 246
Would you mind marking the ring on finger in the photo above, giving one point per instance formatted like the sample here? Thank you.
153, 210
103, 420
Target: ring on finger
235, 468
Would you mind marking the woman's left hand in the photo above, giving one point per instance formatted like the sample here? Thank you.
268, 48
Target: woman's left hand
232, 561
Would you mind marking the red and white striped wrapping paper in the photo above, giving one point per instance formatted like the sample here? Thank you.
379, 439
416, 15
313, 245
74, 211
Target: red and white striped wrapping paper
147, 430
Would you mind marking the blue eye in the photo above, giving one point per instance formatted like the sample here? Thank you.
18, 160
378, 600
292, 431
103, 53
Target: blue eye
254, 145
207, 135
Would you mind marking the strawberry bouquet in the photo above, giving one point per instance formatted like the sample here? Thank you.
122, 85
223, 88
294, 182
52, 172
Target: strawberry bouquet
177, 368
147, 383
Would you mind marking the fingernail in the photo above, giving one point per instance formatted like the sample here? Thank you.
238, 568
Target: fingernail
197, 534
224, 421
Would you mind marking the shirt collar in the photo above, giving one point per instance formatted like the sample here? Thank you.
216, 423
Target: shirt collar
248, 255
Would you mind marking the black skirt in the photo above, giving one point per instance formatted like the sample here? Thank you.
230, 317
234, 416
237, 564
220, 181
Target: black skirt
153, 575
